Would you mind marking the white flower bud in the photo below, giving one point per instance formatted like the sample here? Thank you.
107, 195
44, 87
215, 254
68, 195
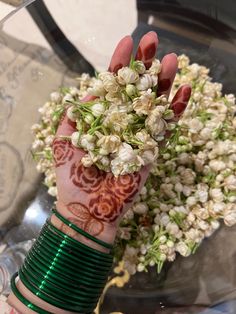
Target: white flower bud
36, 128
139, 67
146, 81
66, 98
103, 151
164, 207
72, 113
74, 91
190, 217
110, 143
217, 165
230, 219
203, 225
97, 89
172, 228
140, 208
109, 82
195, 125
98, 109
230, 182
178, 187
232, 198
215, 224
140, 267
187, 190
143, 191
162, 257
49, 140
131, 90
37, 145
127, 76
87, 161
126, 152
171, 257
202, 195
155, 67
143, 249
183, 249
148, 156
164, 219
217, 195
52, 191
75, 139
152, 263
155, 228
89, 118
170, 243
162, 239
218, 208
87, 142
191, 200
55, 97
129, 215
105, 161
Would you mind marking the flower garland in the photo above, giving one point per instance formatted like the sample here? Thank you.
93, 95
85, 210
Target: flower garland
192, 184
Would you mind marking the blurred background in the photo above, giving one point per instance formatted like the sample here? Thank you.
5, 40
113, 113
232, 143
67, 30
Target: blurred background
45, 45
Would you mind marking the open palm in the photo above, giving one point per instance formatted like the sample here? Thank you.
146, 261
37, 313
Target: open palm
93, 199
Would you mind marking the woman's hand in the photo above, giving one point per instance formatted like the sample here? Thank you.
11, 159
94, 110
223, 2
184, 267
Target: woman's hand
91, 198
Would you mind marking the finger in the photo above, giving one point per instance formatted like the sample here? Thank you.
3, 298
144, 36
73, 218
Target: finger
178, 105
147, 49
169, 66
180, 100
122, 54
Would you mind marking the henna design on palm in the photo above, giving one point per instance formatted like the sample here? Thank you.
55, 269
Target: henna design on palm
63, 151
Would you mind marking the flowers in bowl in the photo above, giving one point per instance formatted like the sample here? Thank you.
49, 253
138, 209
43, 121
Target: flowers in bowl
192, 184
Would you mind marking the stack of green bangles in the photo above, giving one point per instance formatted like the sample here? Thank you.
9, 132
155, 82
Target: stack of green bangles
64, 272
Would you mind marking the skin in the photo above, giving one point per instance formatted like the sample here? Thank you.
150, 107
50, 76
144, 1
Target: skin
90, 198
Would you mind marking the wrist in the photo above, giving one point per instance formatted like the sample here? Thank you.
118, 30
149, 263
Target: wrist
106, 234
55, 265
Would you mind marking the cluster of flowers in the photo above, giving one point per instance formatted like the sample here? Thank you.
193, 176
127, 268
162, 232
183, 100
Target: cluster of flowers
192, 185
121, 128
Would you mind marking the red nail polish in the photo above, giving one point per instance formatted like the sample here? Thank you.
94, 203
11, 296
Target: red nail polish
150, 51
186, 93
71, 123
179, 108
116, 68
139, 55
163, 85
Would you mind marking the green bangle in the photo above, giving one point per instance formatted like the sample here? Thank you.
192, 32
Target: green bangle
59, 279
88, 254
23, 300
47, 298
49, 257
81, 231
61, 272
50, 248
57, 293
68, 272
66, 255
78, 244
37, 275
64, 272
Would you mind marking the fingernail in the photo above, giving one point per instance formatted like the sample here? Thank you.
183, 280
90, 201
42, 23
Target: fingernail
149, 51
117, 67
163, 85
179, 108
186, 93
181, 99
